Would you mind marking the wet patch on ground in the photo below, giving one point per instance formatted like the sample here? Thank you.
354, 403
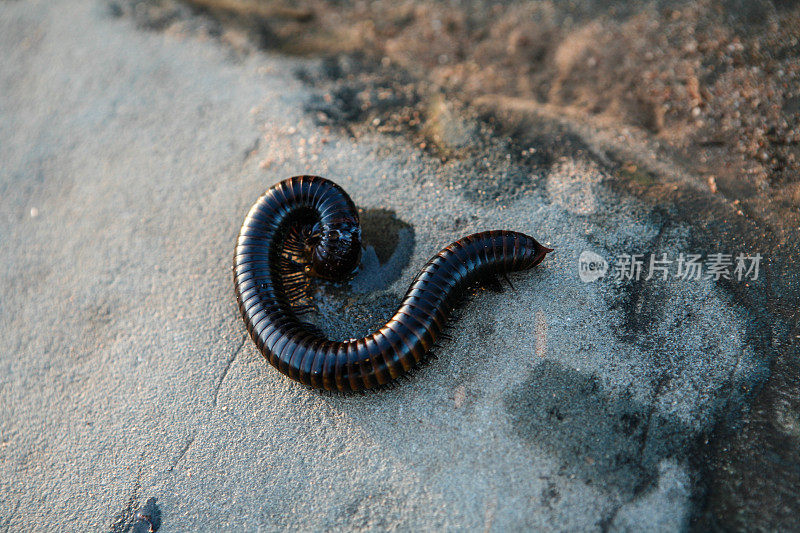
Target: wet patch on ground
720, 226
123, 521
641, 306
605, 437
357, 93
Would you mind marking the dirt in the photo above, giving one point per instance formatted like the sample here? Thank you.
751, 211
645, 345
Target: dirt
712, 85
705, 77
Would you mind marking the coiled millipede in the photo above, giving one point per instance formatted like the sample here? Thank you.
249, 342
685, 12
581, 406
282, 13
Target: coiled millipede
308, 226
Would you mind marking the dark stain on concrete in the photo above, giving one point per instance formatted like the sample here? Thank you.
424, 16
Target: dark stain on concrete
641, 305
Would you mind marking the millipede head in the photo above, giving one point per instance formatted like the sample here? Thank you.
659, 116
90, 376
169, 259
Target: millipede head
336, 251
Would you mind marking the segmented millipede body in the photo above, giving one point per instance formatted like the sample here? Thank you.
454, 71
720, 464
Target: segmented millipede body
308, 226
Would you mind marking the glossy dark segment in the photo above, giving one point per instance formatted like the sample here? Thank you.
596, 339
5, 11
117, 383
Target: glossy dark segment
313, 220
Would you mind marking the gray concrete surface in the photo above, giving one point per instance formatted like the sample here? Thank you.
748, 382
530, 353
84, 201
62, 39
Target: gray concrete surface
129, 159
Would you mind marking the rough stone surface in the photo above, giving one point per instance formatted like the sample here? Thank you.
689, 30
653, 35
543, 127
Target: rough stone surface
128, 387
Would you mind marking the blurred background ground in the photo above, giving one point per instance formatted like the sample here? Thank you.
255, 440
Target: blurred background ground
716, 81
613, 126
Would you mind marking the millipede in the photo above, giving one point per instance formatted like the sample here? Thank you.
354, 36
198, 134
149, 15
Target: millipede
306, 227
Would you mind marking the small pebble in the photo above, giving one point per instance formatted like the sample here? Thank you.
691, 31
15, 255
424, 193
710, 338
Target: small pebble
459, 395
